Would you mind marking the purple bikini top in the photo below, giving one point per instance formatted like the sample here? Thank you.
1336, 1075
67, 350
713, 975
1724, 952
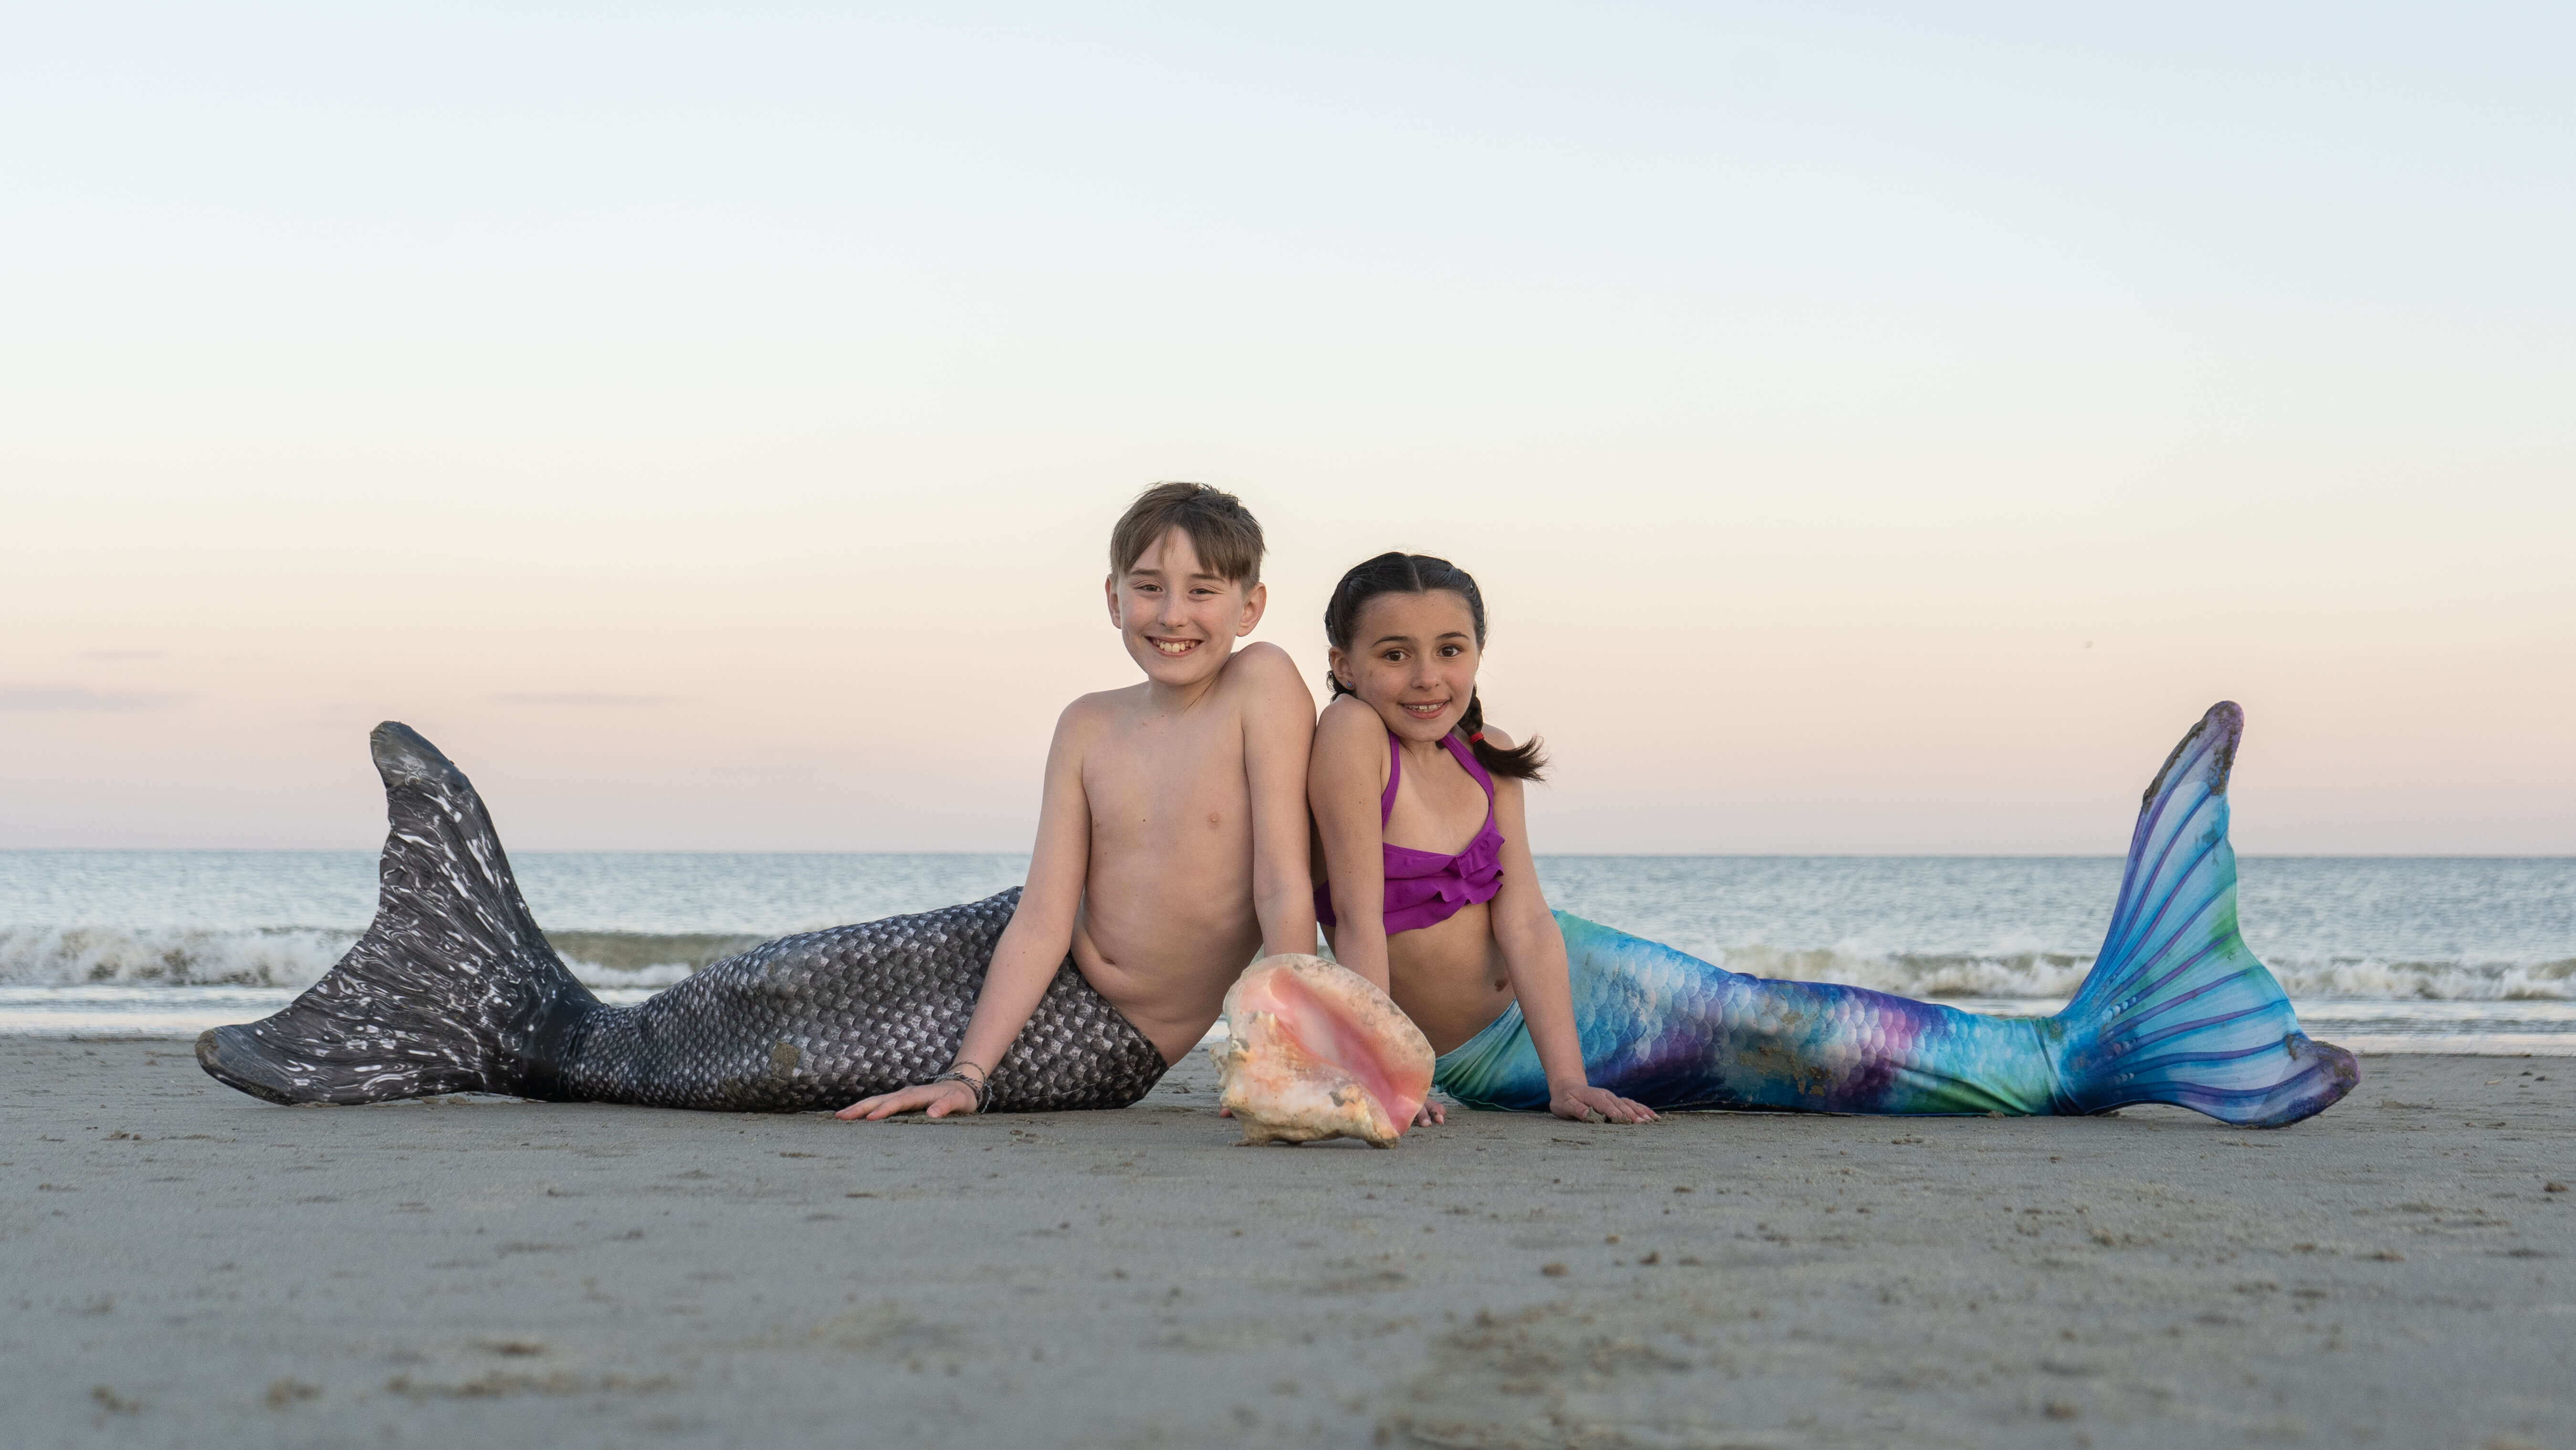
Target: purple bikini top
1424, 888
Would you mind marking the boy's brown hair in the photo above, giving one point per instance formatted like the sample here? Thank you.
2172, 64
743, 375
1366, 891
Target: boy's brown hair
1226, 535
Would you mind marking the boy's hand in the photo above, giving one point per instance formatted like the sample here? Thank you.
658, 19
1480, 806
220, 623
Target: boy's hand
1580, 1103
935, 1099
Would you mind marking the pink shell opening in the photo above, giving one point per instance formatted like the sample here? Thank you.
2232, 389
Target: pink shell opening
1317, 1052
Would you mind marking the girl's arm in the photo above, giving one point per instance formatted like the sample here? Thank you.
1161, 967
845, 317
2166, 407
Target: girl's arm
1343, 783
1534, 954
1032, 947
1278, 731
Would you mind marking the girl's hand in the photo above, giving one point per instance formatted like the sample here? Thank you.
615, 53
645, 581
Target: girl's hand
1429, 1114
935, 1099
1580, 1103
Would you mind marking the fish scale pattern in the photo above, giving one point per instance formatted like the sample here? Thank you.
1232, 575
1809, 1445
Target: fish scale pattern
455, 989
823, 1019
1677, 1033
2177, 1009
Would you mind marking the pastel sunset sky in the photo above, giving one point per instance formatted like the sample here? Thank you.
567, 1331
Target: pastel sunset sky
1877, 428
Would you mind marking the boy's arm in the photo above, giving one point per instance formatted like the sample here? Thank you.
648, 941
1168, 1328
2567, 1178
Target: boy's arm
1344, 782
1032, 947
1278, 732
1534, 954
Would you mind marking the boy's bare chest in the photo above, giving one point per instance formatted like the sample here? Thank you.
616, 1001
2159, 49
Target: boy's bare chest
1173, 783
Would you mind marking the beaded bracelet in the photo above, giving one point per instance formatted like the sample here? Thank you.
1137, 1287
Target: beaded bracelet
980, 1086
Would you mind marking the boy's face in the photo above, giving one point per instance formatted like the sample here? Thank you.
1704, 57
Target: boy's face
1178, 620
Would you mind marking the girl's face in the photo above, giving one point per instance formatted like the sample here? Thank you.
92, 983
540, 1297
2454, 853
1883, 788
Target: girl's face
1413, 660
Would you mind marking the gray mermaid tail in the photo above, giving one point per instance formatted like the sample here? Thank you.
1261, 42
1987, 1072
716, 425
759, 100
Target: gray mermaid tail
454, 989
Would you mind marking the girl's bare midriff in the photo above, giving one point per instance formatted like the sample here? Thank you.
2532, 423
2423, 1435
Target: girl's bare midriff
1449, 977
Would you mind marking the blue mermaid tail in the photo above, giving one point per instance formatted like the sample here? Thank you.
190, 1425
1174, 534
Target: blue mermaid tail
2175, 1010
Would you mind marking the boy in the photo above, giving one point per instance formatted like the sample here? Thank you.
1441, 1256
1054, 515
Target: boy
1172, 840
1172, 849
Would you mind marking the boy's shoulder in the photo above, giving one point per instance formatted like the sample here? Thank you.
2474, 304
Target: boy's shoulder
1257, 678
1099, 709
1264, 670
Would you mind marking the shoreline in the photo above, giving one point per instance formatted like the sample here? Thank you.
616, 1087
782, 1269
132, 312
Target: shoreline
189, 1265
164, 1015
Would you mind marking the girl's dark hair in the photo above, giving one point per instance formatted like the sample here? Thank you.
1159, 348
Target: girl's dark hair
1420, 574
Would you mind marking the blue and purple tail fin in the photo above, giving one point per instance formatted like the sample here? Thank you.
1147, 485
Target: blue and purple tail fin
2176, 1008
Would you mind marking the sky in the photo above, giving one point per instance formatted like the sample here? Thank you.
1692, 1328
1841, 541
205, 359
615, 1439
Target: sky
1876, 428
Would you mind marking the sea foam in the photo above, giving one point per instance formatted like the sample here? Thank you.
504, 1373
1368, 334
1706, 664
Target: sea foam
296, 957
291, 957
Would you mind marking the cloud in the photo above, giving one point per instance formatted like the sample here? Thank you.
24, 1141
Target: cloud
579, 700
119, 656
77, 697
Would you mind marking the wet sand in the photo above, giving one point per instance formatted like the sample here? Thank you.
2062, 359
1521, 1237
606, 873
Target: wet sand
185, 1266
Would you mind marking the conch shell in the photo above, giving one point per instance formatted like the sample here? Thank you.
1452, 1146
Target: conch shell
1315, 1051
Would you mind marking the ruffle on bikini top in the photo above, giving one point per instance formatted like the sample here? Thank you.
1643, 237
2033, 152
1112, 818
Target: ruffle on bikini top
1425, 887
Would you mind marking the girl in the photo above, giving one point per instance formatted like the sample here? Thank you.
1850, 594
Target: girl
1430, 894
1403, 770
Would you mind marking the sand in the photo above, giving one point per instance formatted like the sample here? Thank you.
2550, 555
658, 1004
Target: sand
186, 1266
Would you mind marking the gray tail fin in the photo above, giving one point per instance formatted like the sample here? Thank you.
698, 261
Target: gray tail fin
452, 989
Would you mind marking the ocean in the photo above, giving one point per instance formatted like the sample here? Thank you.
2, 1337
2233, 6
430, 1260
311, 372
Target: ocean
2440, 954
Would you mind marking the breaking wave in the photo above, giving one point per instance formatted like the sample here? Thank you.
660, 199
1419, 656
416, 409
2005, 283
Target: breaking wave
2056, 975
296, 957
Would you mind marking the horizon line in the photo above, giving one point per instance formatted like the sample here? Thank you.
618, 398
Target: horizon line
1540, 855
